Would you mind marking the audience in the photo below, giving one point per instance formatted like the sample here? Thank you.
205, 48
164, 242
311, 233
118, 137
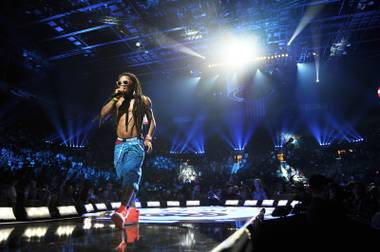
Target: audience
35, 173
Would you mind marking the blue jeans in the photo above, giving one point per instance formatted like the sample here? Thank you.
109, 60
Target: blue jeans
128, 158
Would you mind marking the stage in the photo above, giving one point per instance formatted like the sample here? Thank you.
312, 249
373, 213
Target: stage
160, 229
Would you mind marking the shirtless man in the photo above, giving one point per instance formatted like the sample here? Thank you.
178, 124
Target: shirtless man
130, 106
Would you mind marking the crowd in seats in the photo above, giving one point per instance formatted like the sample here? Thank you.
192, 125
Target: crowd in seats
38, 173
35, 173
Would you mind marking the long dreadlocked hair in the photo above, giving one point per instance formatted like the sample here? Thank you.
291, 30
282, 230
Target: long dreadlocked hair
138, 106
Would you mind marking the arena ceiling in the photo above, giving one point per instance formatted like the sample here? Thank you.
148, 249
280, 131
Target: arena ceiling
150, 35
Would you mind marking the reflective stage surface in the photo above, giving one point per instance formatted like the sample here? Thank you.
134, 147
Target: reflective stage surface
171, 229
192, 214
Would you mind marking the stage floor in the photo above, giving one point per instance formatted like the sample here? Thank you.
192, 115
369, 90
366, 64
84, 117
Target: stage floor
160, 229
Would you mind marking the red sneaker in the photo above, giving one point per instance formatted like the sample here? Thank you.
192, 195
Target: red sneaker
119, 217
132, 233
132, 216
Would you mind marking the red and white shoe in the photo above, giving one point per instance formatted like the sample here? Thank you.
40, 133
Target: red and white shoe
132, 216
119, 217
132, 233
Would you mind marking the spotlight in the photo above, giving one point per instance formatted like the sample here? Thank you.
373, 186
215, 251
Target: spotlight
317, 80
138, 44
238, 52
310, 13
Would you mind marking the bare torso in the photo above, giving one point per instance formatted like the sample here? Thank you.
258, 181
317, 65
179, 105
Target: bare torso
124, 113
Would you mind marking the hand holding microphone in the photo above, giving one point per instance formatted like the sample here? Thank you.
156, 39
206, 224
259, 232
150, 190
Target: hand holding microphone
118, 93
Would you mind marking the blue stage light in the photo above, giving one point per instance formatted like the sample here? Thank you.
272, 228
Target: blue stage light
189, 137
309, 14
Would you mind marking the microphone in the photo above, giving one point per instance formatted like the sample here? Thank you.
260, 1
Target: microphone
117, 94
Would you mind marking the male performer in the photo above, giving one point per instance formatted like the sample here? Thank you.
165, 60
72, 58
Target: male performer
130, 106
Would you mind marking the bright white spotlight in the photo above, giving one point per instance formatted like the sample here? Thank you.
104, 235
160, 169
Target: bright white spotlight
138, 44
237, 52
317, 80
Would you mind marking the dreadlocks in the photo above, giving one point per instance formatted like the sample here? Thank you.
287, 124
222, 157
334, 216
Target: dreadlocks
138, 106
